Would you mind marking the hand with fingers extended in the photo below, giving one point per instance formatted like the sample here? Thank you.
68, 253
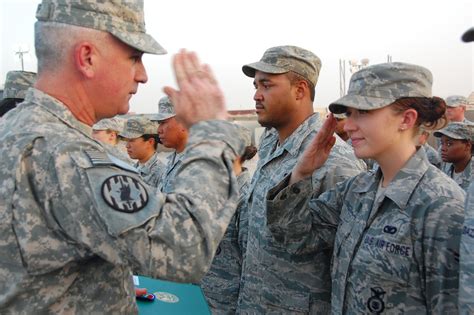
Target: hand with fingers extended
199, 96
317, 152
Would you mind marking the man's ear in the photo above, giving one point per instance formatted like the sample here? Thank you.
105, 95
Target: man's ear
84, 57
301, 87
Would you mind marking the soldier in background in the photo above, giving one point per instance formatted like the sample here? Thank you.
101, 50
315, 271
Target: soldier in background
456, 108
456, 149
142, 143
272, 280
74, 223
172, 135
14, 90
107, 131
398, 229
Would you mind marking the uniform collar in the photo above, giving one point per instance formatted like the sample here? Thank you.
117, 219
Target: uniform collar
404, 183
292, 144
151, 161
57, 109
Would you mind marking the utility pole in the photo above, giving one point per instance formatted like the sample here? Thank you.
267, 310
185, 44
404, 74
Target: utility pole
20, 54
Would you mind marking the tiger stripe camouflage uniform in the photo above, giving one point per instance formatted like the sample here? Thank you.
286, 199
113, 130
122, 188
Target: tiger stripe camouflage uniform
396, 249
396, 254
432, 155
464, 178
274, 279
75, 223
466, 272
152, 170
166, 181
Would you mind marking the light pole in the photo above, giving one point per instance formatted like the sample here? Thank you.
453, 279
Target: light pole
355, 65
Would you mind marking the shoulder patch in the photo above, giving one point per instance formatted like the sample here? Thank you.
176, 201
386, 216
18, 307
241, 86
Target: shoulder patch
124, 193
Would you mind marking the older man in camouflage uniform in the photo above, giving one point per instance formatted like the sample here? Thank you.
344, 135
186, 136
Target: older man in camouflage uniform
14, 90
466, 274
75, 223
396, 247
172, 135
275, 280
142, 143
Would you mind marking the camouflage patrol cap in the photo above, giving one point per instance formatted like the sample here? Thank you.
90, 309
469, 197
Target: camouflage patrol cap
17, 83
165, 110
468, 36
138, 126
380, 85
114, 123
458, 131
282, 59
456, 100
122, 18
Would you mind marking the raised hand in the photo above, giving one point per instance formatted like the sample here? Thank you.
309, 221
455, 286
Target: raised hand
199, 96
317, 152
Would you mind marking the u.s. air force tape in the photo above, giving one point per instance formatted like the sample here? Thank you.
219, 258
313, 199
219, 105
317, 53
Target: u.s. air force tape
124, 193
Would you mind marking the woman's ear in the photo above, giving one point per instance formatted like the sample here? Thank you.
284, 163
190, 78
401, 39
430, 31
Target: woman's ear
84, 57
409, 118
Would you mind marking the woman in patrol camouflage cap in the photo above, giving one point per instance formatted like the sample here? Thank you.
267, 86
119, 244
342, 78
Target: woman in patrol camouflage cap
456, 149
398, 228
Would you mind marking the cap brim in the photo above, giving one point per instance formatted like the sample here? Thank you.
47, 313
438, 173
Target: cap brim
250, 69
449, 134
130, 135
140, 41
358, 102
161, 117
468, 36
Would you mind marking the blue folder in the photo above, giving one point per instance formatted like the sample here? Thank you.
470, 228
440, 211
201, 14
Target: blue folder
172, 298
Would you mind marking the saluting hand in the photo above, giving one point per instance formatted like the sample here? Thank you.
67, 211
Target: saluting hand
317, 152
199, 96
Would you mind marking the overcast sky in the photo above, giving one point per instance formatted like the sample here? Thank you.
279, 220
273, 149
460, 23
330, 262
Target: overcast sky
229, 34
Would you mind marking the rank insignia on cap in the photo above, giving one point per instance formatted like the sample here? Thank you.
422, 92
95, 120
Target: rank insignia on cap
124, 193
